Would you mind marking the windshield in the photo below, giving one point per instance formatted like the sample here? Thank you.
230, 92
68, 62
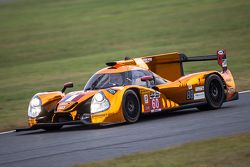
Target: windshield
101, 81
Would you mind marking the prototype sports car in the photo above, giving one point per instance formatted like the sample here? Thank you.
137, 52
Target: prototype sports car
126, 89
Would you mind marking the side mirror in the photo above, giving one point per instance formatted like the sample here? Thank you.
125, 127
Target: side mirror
147, 78
67, 85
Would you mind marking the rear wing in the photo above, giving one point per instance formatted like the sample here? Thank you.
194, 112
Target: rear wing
220, 57
170, 65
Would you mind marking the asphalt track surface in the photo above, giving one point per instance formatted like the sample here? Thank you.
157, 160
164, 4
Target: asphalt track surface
78, 144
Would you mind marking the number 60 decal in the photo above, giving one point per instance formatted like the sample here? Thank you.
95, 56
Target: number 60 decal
155, 104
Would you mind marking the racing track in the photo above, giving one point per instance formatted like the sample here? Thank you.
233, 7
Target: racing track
80, 144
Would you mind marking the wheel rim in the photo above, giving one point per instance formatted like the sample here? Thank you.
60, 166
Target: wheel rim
215, 91
131, 107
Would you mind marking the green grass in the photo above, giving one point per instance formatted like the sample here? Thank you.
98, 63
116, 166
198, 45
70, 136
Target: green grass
44, 43
231, 151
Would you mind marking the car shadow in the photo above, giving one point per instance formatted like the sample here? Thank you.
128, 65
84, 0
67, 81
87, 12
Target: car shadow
143, 118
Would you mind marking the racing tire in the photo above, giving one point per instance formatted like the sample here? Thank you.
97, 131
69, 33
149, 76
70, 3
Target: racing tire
131, 106
214, 93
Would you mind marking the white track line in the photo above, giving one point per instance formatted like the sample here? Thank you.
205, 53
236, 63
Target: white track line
1, 133
246, 91
7, 132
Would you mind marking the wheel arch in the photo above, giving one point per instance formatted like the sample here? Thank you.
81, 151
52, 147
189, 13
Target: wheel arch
219, 75
137, 91
211, 104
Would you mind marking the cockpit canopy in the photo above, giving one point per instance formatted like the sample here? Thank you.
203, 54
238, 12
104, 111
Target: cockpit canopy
133, 77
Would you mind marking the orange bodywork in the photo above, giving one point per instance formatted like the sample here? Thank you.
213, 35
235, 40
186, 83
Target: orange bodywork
49, 103
171, 95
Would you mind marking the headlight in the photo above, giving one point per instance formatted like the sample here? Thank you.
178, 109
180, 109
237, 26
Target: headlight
35, 107
99, 103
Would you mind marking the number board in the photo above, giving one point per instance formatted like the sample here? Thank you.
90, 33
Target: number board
152, 102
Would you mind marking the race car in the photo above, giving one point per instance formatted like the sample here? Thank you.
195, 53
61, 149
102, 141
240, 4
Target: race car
126, 89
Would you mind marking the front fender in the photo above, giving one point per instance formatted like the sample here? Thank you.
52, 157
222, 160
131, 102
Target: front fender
114, 113
50, 99
115, 96
49, 103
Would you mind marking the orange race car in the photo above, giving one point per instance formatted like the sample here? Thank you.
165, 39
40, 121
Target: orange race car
126, 89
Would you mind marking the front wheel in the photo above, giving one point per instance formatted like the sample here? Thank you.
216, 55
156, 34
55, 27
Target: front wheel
214, 93
131, 106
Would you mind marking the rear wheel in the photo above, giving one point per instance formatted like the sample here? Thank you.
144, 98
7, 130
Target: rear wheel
214, 93
131, 106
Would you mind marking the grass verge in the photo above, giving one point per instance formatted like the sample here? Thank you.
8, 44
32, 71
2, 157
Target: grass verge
231, 151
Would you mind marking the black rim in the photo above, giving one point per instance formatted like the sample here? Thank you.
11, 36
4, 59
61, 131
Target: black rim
215, 91
131, 106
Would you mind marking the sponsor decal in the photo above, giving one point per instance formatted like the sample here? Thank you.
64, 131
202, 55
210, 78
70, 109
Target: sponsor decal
152, 102
112, 91
155, 104
199, 88
146, 98
147, 60
156, 110
154, 95
224, 62
190, 86
198, 96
